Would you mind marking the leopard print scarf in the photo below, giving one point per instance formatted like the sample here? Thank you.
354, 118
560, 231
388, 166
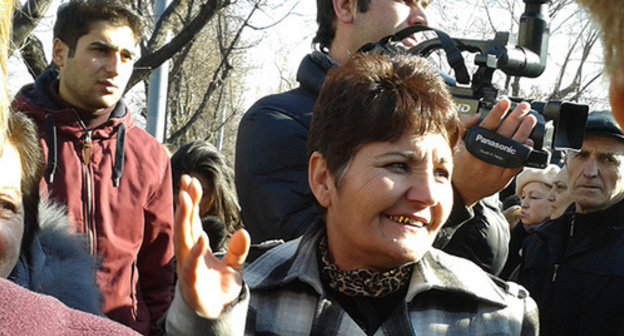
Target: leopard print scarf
361, 282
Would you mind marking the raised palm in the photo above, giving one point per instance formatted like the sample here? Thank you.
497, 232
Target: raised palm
208, 285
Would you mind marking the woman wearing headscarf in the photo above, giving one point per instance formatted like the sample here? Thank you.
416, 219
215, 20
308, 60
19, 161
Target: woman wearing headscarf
533, 186
380, 167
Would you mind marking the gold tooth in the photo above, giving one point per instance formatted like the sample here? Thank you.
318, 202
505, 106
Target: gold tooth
400, 219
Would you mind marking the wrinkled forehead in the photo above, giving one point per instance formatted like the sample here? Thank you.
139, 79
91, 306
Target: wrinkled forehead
603, 144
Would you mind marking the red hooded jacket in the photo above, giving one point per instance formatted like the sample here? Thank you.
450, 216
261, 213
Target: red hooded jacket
116, 182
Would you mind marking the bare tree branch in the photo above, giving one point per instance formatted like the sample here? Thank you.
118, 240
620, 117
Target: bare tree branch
34, 58
26, 19
223, 69
146, 64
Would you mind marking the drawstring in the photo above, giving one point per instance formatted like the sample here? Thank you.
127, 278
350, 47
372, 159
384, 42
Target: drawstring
51, 139
119, 154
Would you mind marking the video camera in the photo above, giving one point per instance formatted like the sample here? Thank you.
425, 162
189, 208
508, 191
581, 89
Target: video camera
560, 125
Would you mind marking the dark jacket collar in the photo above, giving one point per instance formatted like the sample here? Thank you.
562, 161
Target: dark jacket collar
561, 231
36, 100
312, 71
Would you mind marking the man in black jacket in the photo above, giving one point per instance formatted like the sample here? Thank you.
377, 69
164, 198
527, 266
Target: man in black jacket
271, 155
574, 265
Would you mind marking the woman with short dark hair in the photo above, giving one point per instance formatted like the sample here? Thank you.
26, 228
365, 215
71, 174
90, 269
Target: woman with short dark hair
380, 167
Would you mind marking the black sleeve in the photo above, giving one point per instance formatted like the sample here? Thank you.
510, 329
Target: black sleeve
482, 238
272, 173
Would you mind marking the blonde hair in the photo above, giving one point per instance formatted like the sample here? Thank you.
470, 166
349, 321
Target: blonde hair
6, 17
609, 14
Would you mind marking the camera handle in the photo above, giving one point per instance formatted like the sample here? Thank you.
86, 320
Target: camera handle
392, 44
496, 149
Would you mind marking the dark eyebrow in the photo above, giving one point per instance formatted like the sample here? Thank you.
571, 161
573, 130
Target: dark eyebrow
108, 46
406, 154
411, 156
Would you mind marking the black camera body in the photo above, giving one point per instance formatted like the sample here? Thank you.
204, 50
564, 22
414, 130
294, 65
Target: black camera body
560, 125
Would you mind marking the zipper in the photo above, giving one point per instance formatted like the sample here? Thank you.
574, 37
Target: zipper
554, 276
133, 306
86, 160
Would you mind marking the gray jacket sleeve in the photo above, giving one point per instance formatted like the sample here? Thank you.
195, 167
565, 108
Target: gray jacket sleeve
182, 320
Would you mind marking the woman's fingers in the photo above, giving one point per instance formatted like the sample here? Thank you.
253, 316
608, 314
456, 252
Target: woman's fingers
194, 260
238, 250
187, 225
195, 191
190, 279
182, 236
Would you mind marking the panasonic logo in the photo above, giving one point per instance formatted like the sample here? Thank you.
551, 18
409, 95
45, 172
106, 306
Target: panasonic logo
497, 145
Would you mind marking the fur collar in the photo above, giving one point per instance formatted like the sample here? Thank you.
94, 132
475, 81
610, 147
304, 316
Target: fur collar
58, 263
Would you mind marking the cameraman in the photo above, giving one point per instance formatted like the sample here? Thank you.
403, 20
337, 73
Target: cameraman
271, 163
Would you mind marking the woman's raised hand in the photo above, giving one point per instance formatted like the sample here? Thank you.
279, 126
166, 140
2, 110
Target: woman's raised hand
208, 285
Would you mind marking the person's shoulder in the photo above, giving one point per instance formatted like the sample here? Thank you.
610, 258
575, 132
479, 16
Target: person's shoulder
257, 250
555, 228
26, 312
472, 278
511, 289
138, 137
281, 119
296, 104
279, 256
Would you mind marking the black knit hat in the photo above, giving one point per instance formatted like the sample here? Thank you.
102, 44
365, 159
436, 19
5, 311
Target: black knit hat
603, 123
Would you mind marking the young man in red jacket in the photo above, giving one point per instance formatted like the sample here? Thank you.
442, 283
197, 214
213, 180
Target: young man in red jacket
113, 176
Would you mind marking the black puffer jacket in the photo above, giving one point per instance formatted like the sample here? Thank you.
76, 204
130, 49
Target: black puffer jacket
574, 269
58, 263
272, 176
484, 239
271, 163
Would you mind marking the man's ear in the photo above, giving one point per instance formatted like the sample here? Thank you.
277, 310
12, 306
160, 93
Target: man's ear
344, 10
60, 50
320, 180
